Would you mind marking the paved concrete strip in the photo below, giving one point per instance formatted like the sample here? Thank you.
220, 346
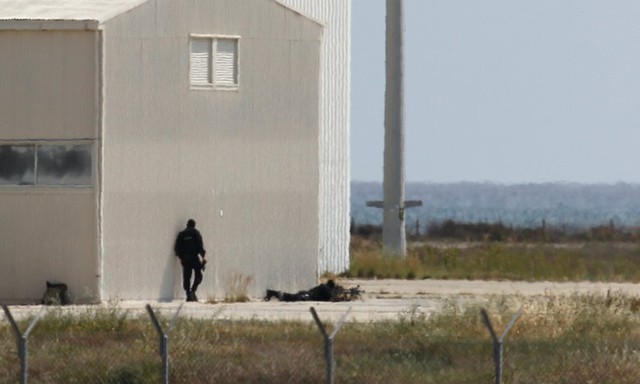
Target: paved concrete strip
481, 287
382, 300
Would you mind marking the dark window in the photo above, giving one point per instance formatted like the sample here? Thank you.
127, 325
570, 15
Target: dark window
64, 165
17, 166
46, 164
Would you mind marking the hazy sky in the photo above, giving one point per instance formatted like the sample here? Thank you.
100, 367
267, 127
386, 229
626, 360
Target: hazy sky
504, 90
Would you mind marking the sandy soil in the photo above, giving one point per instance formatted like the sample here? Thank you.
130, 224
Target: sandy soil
382, 300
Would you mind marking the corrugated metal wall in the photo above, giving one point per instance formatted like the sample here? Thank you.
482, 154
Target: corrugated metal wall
244, 164
47, 85
151, 110
47, 235
47, 92
334, 151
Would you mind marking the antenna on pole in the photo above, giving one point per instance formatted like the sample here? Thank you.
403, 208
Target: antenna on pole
394, 205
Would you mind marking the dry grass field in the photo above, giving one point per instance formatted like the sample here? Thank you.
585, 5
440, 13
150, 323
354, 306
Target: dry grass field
580, 324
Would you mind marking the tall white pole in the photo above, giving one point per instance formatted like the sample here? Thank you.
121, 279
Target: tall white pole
394, 236
393, 204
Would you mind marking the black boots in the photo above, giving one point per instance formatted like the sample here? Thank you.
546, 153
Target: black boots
191, 296
271, 293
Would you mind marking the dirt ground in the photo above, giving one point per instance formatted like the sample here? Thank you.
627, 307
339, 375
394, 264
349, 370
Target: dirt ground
381, 300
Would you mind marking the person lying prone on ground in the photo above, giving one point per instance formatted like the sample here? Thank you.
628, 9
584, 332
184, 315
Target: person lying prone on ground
323, 292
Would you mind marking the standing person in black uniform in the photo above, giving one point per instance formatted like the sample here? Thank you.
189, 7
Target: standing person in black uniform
188, 247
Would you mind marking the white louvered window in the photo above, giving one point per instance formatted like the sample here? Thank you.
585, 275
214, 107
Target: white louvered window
226, 62
200, 62
213, 62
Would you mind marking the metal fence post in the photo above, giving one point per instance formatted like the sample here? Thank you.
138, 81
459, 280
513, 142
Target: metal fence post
328, 341
164, 340
22, 341
498, 342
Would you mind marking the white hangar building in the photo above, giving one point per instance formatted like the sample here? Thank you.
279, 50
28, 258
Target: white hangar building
121, 119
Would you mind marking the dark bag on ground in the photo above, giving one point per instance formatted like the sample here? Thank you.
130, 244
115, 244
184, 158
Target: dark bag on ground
56, 294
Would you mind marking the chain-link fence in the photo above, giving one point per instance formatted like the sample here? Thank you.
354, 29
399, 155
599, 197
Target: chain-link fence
113, 346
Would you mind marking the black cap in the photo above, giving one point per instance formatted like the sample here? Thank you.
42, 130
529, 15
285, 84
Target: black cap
191, 223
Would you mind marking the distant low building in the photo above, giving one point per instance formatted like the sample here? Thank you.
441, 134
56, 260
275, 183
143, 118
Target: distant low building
121, 119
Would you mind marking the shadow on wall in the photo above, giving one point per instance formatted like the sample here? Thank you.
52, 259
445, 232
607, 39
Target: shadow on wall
167, 284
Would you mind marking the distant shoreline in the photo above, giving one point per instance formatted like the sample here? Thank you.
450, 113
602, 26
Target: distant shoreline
506, 184
521, 205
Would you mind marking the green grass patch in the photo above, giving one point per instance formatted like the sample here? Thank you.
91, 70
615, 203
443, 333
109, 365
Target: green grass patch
611, 262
